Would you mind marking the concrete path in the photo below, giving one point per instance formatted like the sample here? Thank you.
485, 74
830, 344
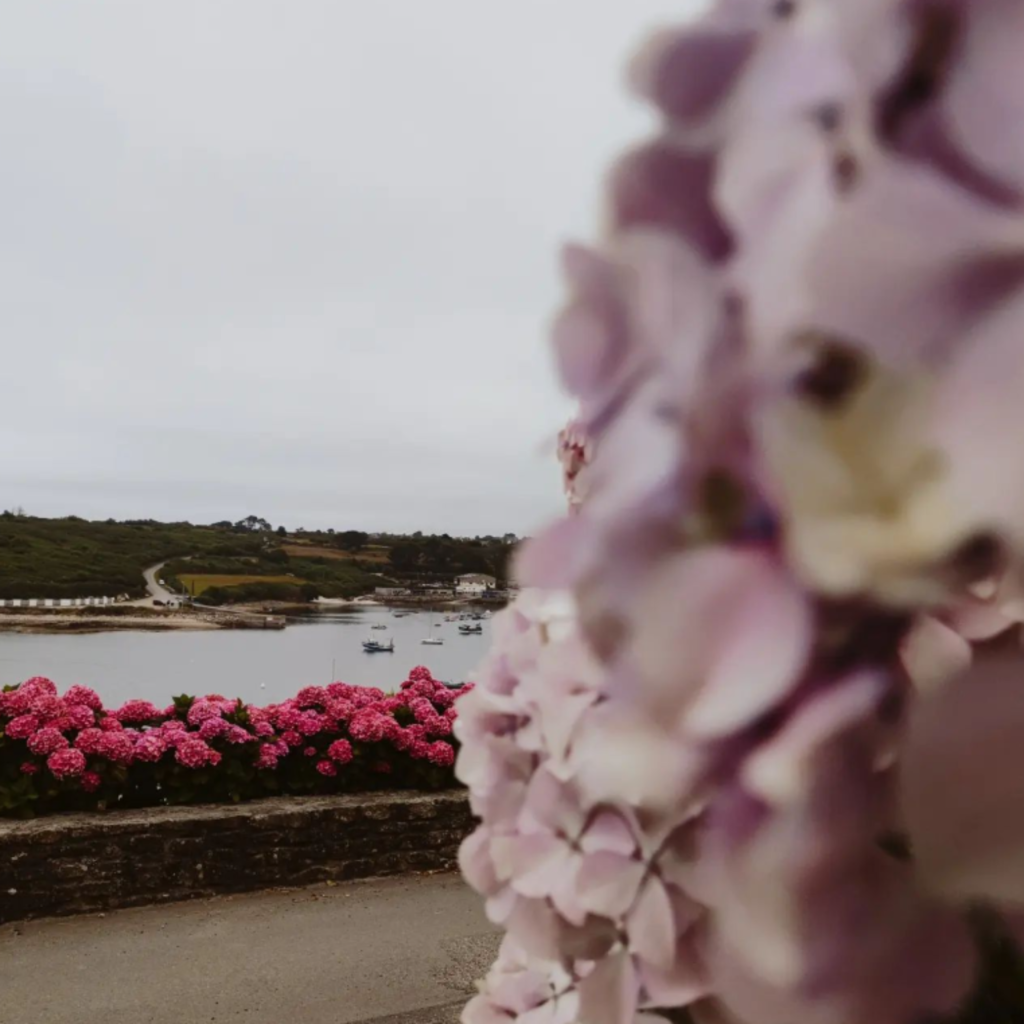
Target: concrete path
395, 951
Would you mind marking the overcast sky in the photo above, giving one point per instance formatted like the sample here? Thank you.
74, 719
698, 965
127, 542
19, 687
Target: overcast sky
296, 257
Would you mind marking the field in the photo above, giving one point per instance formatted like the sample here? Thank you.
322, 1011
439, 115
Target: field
371, 553
197, 583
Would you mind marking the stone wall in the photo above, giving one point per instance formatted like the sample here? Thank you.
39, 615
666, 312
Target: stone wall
75, 863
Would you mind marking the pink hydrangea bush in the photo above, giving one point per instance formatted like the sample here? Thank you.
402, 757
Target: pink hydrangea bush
70, 752
751, 746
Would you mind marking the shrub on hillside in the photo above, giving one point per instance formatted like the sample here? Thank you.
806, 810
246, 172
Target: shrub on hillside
60, 753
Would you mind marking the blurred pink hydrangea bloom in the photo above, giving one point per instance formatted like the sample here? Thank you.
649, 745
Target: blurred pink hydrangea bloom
774, 644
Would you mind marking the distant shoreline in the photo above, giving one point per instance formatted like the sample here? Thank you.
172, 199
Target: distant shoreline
90, 620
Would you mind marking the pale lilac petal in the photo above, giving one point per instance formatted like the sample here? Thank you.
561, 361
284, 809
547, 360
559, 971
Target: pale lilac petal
475, 862
690, 73
932, 653
759, 662
608, 995
963, 783
481, 1010
554, 558
986, 92
978, 432
721, 636
586, 347
609, 831
977, 619
619, 758
532, 863
608, 883
551, 805
659, 185
948, 258
683, 983
651, 926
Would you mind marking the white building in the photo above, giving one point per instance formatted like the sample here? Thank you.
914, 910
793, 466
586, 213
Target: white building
474, 584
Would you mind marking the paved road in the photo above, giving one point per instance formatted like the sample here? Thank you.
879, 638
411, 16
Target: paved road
152, 575
394, 951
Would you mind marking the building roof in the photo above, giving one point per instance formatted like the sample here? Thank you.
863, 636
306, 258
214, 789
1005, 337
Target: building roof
475, 577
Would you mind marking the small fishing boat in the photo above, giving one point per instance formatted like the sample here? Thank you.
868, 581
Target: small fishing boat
378, 625
465, 629
399, 615
374, 647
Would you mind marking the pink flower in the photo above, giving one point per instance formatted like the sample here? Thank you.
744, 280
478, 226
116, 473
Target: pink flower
309, 723
150, 747
441, 753
439, 726
80, 716
204, 709
267, 757
340, 751
292, 738
310, 752
28, 768
133, 711
328, 768
22, 727
90, 782
118, 747
66, 763
90, 741
110, 724
421, 749
339, 691
46, 706
264, 729
46, 741
340, 710
236, 734
367, 725
212, 728
83, 695
311, 696
194, 753
422, 708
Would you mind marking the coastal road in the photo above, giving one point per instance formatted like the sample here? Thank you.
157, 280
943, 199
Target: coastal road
403, 950
152, 576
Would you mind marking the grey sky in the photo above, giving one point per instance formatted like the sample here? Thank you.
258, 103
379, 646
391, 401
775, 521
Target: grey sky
296, 257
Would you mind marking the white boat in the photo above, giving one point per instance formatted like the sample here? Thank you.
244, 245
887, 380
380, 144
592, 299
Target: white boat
432, 640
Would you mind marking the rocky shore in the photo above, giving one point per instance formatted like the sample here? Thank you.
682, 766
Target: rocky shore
99, 620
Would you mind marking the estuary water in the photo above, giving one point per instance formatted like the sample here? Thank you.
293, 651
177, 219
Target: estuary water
260, 666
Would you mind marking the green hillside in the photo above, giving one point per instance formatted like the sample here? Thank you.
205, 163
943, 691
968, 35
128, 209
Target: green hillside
74, 557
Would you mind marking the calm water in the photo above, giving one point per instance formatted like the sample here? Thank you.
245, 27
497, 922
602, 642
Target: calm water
256, 665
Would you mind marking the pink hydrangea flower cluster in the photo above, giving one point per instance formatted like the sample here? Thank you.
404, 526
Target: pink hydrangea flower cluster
756, 665
80, 743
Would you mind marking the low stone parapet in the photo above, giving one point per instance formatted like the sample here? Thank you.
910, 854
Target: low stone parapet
77, 863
